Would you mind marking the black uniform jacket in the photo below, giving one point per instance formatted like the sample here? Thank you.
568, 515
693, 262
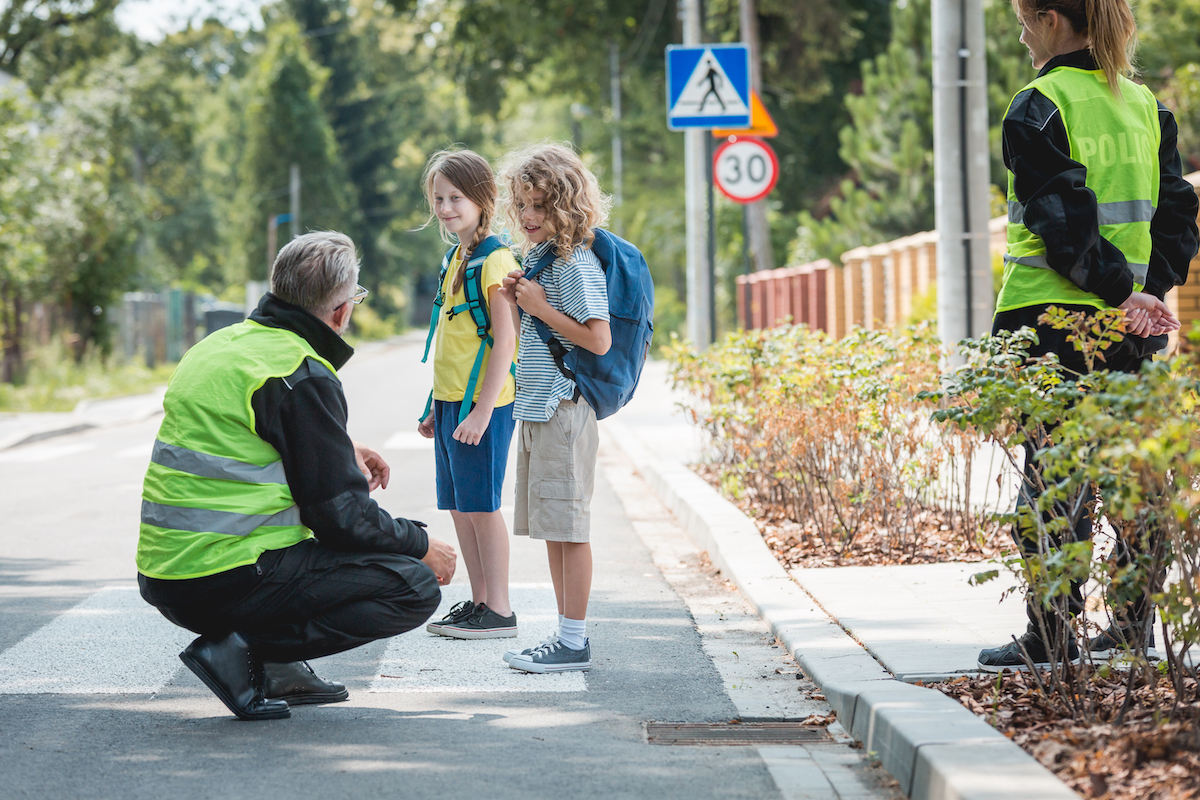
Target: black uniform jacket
1062, 210
303, 416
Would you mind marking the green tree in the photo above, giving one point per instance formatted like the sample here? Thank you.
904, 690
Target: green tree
285, 125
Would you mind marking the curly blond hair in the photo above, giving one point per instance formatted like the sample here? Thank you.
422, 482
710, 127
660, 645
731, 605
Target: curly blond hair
572, 197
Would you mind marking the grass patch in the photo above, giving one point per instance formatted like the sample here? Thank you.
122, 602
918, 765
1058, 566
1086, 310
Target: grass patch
54, 382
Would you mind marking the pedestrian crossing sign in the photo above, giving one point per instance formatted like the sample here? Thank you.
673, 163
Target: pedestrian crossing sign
708, 86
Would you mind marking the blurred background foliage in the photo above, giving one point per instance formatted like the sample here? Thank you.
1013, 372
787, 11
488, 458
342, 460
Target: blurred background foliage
133, 165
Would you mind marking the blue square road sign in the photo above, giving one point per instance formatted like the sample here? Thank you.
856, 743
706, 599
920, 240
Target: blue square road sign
708, 86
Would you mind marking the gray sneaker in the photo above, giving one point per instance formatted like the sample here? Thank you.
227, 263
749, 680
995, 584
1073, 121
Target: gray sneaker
458, 613
554, 657
551, 639
482, 624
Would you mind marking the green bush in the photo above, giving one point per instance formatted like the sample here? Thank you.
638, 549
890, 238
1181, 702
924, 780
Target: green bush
832, 435
1124, 447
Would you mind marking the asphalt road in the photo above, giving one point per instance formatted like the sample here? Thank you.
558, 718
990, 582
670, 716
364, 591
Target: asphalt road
94, 702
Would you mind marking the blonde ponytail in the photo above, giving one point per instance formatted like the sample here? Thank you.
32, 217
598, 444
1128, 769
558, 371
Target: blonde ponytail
1112, 31
1108, 24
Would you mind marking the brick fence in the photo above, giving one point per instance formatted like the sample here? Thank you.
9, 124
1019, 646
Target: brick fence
883, 286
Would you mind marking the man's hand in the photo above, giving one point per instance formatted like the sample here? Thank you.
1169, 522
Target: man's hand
372, 466
425, 426
442, 559
1148, 316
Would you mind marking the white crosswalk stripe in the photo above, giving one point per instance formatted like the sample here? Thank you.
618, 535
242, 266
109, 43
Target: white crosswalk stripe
31, 454
418, 661
408, 440
111, 643
114, 643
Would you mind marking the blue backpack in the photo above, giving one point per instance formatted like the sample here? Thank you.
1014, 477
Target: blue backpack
607, 382
474, 303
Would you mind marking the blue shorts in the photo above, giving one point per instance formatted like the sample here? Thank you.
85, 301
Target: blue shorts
470, 477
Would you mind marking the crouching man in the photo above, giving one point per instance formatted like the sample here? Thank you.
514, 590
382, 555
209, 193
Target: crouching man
257, 529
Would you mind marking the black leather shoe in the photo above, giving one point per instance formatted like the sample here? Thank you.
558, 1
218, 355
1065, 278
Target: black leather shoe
297, 684
228, 668
1010, 656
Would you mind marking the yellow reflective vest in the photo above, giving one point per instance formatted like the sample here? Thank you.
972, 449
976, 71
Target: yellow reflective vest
215, 495
1117, 141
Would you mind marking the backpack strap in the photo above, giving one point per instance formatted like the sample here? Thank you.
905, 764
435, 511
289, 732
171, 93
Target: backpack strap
439, 300
476, 304
557, 349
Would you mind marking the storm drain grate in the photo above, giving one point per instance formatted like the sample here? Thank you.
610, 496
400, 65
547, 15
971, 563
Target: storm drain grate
734, 733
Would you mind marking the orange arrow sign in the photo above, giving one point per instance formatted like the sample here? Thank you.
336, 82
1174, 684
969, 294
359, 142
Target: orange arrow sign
761, 123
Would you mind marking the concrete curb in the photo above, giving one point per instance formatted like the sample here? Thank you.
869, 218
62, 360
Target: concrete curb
934, 747
20, 429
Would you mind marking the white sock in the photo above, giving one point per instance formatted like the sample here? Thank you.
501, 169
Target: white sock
573, 632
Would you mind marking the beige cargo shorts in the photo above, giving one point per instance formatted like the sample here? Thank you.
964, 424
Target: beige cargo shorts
556, 473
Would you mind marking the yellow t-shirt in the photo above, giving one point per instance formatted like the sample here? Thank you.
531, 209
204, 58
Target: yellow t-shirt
456, 342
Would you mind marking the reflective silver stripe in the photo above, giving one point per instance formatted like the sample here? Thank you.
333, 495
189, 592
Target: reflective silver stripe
1140, 271
1125, 211
205, 520
1016, 212
1029, 261
204, 465
1119, 213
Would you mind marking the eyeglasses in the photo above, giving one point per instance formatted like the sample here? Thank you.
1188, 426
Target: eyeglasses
359, 295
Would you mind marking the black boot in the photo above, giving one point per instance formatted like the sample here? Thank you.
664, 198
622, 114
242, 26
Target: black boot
1011, 656
228, 668
297, 684
1117, 639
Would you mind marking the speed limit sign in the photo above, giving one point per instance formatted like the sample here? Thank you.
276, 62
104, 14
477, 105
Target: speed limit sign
745, 170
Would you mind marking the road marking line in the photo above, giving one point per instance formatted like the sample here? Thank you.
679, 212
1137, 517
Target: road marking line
423, 662
45, 452
408, 440
111, 643
137, 451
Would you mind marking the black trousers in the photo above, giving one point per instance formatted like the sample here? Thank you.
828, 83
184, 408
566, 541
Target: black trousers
1127, 356
302, 602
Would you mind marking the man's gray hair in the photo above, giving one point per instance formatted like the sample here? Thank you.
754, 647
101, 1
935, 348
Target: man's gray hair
316, 271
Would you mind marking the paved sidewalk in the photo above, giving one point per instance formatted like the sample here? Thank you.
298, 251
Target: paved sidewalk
861, 633
25, 428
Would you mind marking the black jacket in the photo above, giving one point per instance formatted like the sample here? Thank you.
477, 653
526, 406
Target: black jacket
1062, 210
303, 416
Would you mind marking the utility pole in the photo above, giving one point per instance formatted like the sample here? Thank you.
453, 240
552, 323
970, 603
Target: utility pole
294, 191
699, 301
618, 161
758, 229
961, 171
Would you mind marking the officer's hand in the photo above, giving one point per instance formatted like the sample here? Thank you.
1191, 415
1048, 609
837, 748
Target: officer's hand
1159, 318
372, 466
442, 559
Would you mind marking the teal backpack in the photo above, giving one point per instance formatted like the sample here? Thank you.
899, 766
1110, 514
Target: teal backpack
476, 304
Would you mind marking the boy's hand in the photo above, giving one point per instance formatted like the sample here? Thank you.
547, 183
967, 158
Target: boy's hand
470, 430
530, 296
508, 285
425, 426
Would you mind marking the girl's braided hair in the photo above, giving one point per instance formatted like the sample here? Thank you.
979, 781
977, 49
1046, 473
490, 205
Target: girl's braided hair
471, 174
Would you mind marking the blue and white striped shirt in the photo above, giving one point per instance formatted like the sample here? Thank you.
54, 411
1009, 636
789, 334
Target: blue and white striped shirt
576, 287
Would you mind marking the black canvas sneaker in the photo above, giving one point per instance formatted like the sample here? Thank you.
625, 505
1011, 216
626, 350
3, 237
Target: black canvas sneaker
458, 613
482, 624
1116, 641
